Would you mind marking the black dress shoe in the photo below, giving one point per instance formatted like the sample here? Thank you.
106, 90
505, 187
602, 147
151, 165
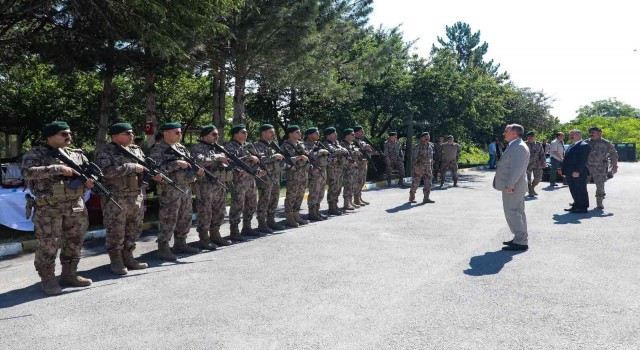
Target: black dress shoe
569, 209
516, 247
508, 242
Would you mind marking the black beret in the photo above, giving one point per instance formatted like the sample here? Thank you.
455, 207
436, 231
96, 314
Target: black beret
170, 126
310, 131
237, 128
330, 130
531, 133
426, 133
595, 128
393, 133
207, 129
292, 128
54, 128
118, 128
266, 127
357, 128
348, 131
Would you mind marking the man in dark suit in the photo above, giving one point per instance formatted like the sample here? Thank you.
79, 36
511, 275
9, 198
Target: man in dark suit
574, 167
511, 180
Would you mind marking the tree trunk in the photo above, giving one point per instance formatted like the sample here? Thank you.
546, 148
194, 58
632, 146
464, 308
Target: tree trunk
238, 98
105, 100
293, 106
150, 95
219, 96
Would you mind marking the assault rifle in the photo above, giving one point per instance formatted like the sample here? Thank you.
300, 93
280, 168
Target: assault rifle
85, 172
152, 168
287, 159
244, 166
367, 156
255, 153
195, 167
332, 155
300, 152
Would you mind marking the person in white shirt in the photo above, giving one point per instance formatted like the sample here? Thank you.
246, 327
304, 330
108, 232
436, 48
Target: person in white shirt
557, 156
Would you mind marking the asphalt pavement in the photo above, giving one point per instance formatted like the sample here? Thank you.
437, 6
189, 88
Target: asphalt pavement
388, 276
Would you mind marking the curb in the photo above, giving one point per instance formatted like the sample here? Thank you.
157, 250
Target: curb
8, 249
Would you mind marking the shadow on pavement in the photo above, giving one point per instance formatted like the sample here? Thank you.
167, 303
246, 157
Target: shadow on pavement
571, 218
404, 206
28, 294
490, 263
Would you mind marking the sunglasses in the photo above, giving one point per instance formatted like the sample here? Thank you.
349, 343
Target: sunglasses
243, 131
65, 133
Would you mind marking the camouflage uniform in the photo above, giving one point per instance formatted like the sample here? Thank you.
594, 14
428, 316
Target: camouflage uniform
210, 195
269, 189
393, 158
243, 190
60, 219
361, 176
123, 226
317, 178
422, 160
176, 208
537, 161
449, 161
350, 172
598, 164
437, 159
335, 172
296, 180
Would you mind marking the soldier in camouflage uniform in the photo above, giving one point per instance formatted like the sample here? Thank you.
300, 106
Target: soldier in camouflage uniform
269, 189
60, 219
394, 158
122, 176
422, 159
210, 194
243, 190
449, 161
175, 207
361, 177
297, 176
339, 160
317, 177
350, 171
598, 164
437, 157
537, 162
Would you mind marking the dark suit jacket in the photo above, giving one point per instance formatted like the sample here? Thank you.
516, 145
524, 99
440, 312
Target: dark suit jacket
576, 159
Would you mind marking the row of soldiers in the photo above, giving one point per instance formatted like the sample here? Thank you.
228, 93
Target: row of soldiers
123, 171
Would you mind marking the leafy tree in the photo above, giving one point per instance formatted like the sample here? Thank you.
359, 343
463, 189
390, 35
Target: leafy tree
610, 107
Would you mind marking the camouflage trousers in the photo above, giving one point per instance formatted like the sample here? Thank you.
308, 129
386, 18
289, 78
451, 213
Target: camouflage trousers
360, 180
210, 206
334, 180
296, 184
349, 180
123, 226
437, 163
61, 227
175, 213
449, 165
421, 174
536, 173
317, 185
243, 199
395, 165
599, 177
268, 196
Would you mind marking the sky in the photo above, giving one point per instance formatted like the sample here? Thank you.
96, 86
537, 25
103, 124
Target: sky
575, 52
